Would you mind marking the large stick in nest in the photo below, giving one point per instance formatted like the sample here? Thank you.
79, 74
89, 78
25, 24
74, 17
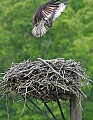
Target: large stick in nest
49, 80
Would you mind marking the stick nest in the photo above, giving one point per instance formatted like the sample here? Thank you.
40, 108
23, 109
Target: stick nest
45, 79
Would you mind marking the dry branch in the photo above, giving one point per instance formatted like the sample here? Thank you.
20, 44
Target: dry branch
45, 78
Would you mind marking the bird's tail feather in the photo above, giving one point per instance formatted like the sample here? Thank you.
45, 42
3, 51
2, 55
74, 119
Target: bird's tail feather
39, 30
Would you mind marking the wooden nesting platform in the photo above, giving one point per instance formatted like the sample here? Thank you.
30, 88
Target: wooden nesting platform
45, 79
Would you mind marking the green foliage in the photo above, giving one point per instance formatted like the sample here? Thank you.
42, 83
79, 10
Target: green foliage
70, 37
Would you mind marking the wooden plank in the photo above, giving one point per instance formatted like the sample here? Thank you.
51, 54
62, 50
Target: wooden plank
75, 108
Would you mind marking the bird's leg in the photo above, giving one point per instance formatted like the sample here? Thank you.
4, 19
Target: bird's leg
48, 23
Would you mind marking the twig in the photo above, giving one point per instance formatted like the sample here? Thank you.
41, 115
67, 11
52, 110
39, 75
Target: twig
47, 48
8, 112
62, 114
38, 108
48, 109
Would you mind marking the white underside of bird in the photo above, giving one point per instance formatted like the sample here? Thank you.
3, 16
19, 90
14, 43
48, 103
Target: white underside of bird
40, 29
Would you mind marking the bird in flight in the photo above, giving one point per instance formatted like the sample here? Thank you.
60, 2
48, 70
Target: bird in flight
45, 15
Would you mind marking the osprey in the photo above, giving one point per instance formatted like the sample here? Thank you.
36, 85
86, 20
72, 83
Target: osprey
45, 15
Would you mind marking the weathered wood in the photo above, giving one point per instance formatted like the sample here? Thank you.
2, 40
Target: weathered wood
45, 79
75, 108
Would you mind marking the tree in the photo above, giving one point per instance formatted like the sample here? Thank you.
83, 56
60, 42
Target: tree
70, 37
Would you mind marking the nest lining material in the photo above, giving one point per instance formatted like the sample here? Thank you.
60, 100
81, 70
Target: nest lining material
45, 78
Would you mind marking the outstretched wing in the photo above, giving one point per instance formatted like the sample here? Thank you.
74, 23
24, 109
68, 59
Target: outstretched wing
59, 10
44, 12
45, 15
49, 10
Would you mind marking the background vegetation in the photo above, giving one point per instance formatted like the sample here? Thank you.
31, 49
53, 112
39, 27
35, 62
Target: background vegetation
70, 37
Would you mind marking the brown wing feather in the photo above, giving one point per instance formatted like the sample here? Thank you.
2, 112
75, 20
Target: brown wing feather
48, 11
44, 12
45, 15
